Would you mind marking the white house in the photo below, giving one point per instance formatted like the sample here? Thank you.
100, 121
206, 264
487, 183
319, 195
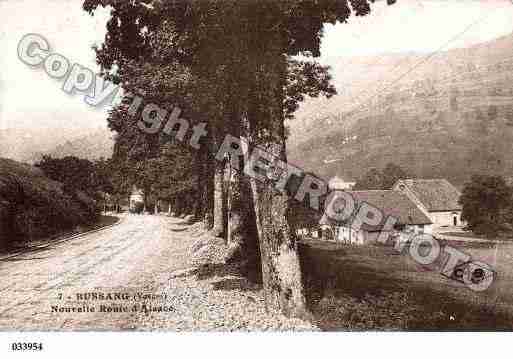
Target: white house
411, 219
437, 198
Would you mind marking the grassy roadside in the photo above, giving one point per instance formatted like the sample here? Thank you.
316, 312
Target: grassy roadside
375, 288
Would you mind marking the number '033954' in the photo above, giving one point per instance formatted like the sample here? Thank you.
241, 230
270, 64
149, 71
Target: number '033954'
27, 346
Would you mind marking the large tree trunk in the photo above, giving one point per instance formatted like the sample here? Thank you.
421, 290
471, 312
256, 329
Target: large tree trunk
227, 177
281, 270
242, 228
208, 198
178, 204
208, 186
200, 160
234, 208
219, 208
242, 235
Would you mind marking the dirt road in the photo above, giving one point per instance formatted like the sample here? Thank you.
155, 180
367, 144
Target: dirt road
124, 278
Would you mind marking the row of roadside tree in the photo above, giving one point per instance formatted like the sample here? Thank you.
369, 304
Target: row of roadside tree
229, 64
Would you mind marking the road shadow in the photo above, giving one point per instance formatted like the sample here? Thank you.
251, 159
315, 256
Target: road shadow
238, 284
208, 271
232, 277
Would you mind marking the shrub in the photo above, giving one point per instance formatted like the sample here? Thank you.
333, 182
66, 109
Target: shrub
32, 206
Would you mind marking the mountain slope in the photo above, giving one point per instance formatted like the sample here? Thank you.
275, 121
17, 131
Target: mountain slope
29, 145
92, 146
446, 115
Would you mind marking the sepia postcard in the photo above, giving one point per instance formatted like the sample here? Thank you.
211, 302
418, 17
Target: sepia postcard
282, 166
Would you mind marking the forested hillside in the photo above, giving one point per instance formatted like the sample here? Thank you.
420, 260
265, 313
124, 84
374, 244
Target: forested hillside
446, 115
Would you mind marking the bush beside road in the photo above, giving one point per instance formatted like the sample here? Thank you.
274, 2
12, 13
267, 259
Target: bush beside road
33, 207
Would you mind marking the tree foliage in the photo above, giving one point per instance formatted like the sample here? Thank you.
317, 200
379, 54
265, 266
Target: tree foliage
77, 174
487, 204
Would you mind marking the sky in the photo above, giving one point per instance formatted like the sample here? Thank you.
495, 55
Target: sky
419, 26
29, 98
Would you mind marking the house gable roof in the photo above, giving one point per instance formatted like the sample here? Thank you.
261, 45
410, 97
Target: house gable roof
435, 194
391, 203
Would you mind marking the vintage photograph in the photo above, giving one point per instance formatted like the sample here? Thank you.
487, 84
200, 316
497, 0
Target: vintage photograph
256, 166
